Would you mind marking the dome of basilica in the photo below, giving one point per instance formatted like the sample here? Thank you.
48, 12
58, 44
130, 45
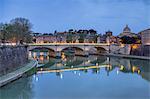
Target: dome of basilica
126, 29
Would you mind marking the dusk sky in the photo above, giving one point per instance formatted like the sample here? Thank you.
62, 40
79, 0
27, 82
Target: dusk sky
101, 15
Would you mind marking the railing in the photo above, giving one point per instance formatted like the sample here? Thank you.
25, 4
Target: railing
12, 44
8, 44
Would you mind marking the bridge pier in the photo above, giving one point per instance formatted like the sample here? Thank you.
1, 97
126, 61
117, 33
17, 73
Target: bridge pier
86, 53
29, 54
58, 54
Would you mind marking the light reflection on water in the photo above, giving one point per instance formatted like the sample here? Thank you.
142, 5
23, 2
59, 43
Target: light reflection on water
92, 77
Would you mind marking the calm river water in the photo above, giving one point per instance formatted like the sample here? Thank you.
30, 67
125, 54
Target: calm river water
75, 77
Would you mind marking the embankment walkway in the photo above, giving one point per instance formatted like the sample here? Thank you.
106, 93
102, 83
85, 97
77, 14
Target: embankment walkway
17, 73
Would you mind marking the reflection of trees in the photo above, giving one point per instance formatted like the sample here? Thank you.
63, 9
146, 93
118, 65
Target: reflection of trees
49, 64
20, 89
125, 65
109, 69
70, 58
85, 70
74, 63
144, 66
58, 73
95, 70
140, 67
99, 60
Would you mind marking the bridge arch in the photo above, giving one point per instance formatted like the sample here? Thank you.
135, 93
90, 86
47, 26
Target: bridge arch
37, 51
97, 50
80, 49
75, 47
101, 49
75, 50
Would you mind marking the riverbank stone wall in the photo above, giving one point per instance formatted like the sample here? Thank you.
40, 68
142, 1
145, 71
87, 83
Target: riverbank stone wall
12, 57
142, 50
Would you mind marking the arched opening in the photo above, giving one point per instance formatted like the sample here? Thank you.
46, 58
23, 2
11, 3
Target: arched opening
42, 54
72, 51
101, 50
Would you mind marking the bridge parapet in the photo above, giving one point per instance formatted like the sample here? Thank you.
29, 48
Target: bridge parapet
60, 46
68, 44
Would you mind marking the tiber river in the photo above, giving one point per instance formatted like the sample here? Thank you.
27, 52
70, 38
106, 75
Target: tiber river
76, 77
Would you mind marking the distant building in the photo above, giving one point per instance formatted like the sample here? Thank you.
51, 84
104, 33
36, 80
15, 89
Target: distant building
112, 40
109, 33
89, 35
108, 38
60, 33
101, 38
45, 39
61, 37
36, 34
145, 36
127, 32
145, 40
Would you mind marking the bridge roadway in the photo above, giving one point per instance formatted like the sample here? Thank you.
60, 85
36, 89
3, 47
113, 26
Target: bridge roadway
61, 46
51, 44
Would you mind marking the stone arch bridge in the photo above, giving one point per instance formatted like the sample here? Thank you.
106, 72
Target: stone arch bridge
83, 48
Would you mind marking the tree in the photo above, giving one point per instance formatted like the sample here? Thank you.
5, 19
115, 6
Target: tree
70, 30
18, 30
93, 32
69, 38
128, 40
81, 37
5, 32
21, 30
137, 39
95, 38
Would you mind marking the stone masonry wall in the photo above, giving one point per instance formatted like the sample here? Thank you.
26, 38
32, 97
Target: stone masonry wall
120, 50
142, 50
12, 57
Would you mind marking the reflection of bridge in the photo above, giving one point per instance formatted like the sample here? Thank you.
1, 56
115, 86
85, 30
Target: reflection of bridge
82, 48
68, 65
124, 65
